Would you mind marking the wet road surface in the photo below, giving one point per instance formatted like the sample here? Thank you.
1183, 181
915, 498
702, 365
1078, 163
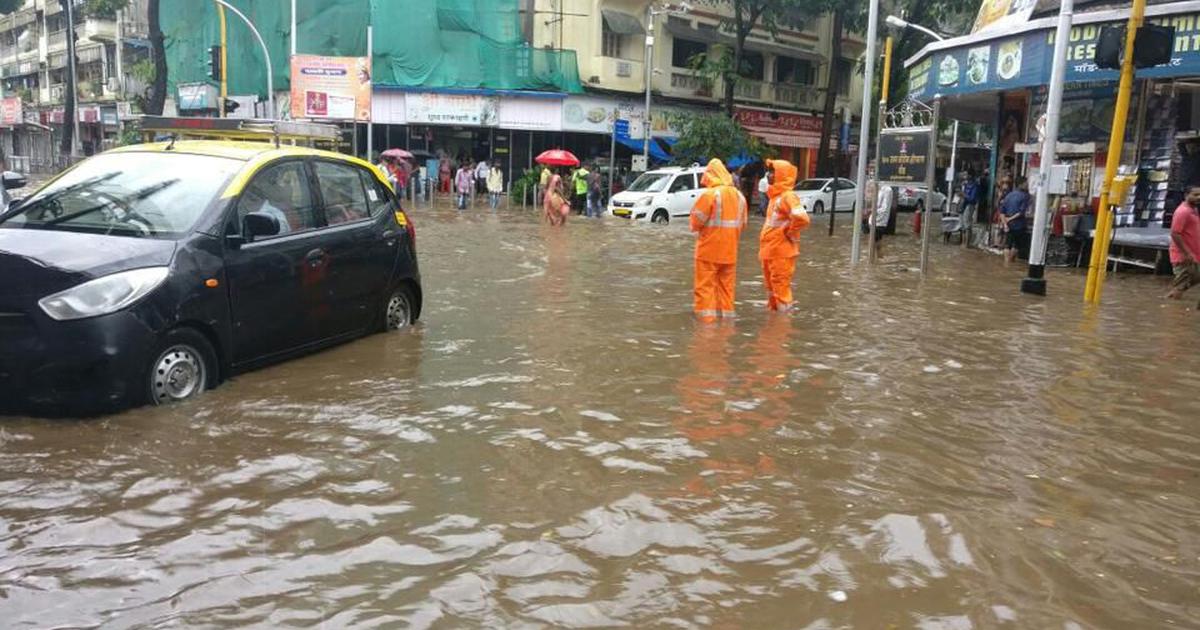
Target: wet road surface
559, 444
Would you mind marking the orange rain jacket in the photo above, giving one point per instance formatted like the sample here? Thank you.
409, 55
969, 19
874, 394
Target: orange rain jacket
785, 216
718, 216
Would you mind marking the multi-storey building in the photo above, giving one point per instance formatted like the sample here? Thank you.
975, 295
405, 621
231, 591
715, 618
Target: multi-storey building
33, 69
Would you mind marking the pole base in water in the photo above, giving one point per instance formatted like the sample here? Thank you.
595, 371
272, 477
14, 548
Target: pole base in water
1035, 284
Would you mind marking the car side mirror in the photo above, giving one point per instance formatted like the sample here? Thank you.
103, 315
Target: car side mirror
257, 224
13, 180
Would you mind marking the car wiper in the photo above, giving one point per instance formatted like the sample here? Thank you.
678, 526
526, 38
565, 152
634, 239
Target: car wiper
8, 214
124, 203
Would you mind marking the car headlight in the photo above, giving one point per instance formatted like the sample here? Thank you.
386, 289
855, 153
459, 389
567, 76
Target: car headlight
103, 295
644, 201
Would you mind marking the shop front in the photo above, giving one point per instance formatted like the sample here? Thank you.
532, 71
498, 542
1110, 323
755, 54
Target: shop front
1000, 78
795, 137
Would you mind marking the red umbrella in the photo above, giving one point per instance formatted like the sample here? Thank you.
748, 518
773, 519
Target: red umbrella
557, 157
399, 154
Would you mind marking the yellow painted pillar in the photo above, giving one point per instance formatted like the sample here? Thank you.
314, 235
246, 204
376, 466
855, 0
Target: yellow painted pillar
1098, 266
887, 70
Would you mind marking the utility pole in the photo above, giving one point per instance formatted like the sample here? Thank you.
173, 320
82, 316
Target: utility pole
1035, 283
864, 132
72, 80
266, 55
224, 60
649, 76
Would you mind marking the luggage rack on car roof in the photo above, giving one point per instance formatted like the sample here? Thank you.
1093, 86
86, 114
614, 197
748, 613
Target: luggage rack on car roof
290, 132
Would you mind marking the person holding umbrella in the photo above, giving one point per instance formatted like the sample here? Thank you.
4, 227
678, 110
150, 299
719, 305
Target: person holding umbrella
554, 200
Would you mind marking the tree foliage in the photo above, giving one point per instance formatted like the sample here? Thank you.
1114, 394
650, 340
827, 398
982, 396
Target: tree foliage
8, 6
705, 136
106, 9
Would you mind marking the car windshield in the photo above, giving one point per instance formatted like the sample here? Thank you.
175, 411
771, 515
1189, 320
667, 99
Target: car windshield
811, 184
650, 182
149, 195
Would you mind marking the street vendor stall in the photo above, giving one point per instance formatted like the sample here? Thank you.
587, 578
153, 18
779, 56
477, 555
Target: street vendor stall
999, 76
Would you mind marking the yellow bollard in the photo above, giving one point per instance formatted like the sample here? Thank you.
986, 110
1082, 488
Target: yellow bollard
1098, 267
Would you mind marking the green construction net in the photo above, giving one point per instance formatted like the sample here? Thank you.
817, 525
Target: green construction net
417, 43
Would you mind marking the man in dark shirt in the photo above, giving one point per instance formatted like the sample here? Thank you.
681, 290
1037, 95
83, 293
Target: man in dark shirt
1013, 208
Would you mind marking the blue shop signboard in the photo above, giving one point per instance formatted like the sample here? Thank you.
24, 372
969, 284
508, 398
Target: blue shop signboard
1024, 61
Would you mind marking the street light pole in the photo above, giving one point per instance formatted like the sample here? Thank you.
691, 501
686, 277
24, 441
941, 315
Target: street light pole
266, 55
649, 76
864, 131
73, 84
1035, 283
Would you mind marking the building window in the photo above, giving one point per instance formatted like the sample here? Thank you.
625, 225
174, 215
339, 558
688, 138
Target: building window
753, 65
613, 42
684, 50
845, 70
795, 71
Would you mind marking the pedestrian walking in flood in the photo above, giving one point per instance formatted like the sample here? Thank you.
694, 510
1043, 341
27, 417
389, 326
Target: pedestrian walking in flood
1185, 244
554, 201
463, 184
778, 245
481, 174
445, 168
543, 183
495, 185
580, 187
717, 219
879, 201
594, 193
1013, 208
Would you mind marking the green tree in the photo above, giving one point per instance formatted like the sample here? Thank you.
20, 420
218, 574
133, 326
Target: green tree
705, 136
8, 6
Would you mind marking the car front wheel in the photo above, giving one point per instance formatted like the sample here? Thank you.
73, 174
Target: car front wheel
819, 208
182, 367
398, 310
660, 217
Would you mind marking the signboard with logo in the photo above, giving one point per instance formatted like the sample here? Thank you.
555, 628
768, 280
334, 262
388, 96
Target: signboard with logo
331, 88
11, 112
903, 156
1021, 61
996, 15
781, 129
592, 114
1024, 60
432, 108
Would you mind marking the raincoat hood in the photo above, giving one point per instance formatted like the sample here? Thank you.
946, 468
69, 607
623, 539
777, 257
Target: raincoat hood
785, 177
716, 175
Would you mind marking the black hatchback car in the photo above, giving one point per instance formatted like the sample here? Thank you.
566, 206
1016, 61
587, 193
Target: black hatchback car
151, 273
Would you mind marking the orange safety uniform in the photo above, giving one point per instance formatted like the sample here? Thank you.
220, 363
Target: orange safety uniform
718, 218
777, 247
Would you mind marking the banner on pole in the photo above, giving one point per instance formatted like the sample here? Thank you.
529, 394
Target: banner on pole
903, 156
331, 88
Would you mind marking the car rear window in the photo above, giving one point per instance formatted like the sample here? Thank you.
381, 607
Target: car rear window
140, 194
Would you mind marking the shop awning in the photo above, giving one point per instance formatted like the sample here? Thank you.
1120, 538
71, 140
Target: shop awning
656, 152
622, 23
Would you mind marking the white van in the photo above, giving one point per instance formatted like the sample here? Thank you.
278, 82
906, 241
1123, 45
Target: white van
659, 196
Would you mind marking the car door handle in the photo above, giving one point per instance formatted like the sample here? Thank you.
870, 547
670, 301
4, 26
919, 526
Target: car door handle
315, 257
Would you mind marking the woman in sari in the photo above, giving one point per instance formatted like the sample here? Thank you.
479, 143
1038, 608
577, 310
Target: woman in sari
555, 202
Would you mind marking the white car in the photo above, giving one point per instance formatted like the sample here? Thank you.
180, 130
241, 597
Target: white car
913, 198
816, 195
659, 196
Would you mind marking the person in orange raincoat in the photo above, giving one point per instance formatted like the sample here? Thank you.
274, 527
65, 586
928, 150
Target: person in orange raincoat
718, 218
777, 248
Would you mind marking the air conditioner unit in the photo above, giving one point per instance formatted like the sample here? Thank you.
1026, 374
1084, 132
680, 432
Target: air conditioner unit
56, 92
624, 69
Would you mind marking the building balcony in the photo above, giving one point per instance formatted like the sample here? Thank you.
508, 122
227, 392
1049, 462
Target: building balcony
750, 90
793, 95
97, 30
687, 85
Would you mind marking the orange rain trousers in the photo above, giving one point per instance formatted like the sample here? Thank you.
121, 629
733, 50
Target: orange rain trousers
714, 290
777, 277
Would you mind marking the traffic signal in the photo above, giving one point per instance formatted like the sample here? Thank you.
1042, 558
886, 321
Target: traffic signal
214, 63
1153, 46
1110, 46
231, 105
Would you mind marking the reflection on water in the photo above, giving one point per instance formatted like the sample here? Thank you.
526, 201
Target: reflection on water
558, 443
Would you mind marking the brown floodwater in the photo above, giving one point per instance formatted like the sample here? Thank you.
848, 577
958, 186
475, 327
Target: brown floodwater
557, 443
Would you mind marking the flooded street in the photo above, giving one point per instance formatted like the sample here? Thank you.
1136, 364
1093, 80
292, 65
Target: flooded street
558, 443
